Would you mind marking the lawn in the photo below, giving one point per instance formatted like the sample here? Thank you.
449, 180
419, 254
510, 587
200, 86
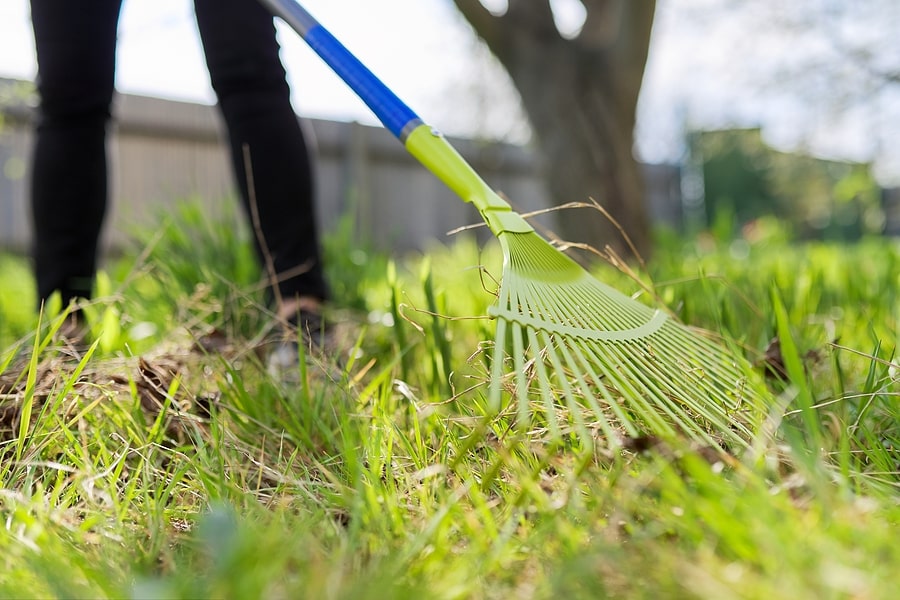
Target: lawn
167, 463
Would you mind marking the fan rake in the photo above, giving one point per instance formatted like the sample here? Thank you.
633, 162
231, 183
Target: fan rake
578, 357
587, 356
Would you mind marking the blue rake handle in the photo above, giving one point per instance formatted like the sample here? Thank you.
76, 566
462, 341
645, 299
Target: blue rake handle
422, 141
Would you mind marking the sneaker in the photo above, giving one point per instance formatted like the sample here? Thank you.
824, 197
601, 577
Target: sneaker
74, 335
310, 328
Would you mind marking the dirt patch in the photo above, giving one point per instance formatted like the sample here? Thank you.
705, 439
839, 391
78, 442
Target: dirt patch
156, 382
180, 377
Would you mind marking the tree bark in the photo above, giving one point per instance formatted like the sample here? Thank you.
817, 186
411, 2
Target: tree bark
581, 97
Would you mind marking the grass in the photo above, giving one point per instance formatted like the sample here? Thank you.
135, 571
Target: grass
153, 468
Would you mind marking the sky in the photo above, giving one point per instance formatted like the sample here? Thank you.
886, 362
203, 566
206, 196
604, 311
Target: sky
159, 52
427, 54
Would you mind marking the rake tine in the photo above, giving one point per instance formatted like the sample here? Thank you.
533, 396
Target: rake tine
589, 396
634, 396
557, 309
569, 316
724, 377
498, 358
543, 383
520, 391
574, 407
521, 380
576, 361
554, 309
660, 386
718, 380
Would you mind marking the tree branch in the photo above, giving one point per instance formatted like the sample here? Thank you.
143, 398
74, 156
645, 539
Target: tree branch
601, 24
535, 16
486, 25
635, 27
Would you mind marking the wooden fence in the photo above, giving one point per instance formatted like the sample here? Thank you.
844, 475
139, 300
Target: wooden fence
163, 152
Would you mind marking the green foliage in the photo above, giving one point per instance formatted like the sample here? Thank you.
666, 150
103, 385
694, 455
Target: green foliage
353, 267
376, 475
17, 301
206, 270
744, 180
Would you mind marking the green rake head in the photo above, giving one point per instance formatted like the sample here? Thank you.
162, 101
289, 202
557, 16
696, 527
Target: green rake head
583, 357
575, 355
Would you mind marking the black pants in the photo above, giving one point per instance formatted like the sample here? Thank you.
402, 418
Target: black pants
76, 43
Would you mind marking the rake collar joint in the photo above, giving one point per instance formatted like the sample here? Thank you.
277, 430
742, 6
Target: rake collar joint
504, 220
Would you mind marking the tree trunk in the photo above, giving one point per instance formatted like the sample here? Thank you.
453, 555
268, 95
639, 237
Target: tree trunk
580, 96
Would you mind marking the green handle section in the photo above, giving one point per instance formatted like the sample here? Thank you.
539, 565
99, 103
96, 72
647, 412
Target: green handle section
438, 156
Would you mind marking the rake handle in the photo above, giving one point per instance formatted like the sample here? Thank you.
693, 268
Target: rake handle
390, 110
422, 141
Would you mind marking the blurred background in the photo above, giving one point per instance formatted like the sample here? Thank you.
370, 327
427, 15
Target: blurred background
700, 116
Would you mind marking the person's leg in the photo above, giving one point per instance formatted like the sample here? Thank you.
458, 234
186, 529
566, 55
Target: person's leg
75, 43
249, 80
